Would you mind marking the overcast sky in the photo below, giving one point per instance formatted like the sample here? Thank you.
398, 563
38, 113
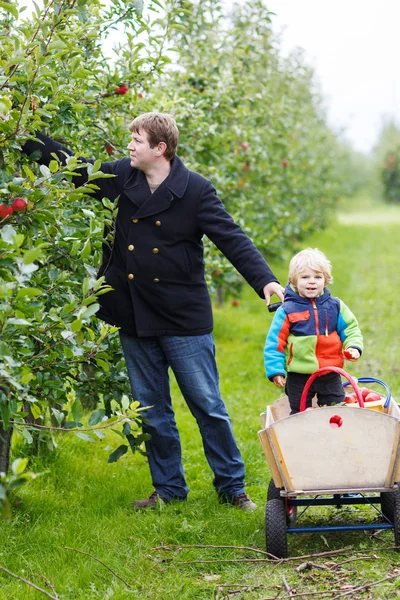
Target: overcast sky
354, 46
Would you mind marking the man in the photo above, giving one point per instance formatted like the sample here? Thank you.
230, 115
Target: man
161, 302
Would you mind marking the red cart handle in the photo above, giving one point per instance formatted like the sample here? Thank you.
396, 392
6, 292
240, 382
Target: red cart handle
323, 370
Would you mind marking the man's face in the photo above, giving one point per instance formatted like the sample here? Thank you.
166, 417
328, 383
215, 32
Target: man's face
141, 155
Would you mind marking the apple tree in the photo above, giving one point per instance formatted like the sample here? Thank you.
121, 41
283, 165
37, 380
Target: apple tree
57, 76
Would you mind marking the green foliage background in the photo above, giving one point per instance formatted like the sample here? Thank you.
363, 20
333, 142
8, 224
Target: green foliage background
250, 120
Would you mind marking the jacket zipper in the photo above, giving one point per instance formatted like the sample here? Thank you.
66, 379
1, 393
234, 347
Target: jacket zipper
326, 324
316, 317
316, 328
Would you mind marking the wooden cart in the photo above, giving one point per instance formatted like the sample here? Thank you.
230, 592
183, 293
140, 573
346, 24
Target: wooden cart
335, 455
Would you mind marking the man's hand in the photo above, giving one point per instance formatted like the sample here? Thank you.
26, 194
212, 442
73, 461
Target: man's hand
279, 381
273, 288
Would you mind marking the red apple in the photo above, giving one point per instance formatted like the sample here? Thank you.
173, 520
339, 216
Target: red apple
19, 204
216, 273
140, 95
350, 399
121, 89
235, 302
245, 146
285, 162
5, 211
372, 397
109, 149
364, 392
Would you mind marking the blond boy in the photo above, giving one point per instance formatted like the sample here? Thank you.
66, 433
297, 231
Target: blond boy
311, 329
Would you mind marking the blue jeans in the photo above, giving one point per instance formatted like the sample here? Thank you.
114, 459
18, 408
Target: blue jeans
192, 359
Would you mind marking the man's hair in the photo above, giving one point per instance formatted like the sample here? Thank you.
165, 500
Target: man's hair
311, 258
159, 127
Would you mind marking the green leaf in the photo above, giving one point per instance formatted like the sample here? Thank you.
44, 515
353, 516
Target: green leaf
35, 410
84, 436
19, 465
85, 286
103, 364
10, 8
8, 234
97, 416
92, 310
87, 248
31, 255
120, 451
28, 292
76, 325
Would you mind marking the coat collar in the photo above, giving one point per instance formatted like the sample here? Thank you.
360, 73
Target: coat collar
174, 186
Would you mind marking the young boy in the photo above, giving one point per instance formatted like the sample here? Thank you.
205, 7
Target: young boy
311, 329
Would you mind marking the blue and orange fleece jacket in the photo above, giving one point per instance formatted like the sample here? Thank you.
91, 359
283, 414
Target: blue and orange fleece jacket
307, 334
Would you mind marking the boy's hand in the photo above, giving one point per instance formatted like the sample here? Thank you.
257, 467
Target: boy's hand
279, 381
351, 354
273, 288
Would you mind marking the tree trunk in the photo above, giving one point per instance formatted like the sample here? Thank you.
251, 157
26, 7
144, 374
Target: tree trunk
5, 448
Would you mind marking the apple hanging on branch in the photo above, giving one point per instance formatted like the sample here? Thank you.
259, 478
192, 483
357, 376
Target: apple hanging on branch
19, 204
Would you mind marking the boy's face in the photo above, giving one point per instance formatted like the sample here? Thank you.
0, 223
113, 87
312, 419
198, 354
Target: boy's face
310, 284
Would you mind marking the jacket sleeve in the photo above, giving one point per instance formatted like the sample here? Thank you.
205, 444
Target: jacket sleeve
42, 149
348, 329
228, 236
275, 344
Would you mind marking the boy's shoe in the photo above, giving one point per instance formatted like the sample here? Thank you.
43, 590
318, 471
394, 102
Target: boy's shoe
242, 501
151, 502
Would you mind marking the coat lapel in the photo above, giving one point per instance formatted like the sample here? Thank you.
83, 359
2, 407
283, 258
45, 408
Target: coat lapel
138, 191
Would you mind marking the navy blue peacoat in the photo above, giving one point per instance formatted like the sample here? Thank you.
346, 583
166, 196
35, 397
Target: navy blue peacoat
155, 264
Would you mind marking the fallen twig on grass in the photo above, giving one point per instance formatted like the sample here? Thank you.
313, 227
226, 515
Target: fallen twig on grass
39, 589
291, 591
101, 562
311, 565
366, 586
272, 560
373, 557
174, 547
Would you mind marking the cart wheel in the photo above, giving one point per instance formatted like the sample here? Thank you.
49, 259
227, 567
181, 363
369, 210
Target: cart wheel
388, 500
396, 521
275, 528
274, 493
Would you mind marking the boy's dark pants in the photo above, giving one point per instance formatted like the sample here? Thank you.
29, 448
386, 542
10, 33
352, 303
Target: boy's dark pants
328, 388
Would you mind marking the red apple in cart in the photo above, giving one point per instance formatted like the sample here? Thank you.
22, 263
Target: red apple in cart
364, 392
372, 397
351, 399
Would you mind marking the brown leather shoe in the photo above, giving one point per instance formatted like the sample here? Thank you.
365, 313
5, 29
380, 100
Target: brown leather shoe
151, 502
242, 501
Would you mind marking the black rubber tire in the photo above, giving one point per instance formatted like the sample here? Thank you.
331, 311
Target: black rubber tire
274, 493
388, 500
396, 521
275, 528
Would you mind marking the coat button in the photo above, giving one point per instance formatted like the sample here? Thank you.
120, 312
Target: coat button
130, 247
135, 220
155, 251
131, 276
156, 280
158, 223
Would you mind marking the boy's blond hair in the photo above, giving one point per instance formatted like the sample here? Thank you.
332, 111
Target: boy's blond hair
311, 258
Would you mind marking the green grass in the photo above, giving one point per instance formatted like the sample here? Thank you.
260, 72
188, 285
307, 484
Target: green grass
83, 502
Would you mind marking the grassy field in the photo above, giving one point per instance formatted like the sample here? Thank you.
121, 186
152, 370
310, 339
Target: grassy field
82, 503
